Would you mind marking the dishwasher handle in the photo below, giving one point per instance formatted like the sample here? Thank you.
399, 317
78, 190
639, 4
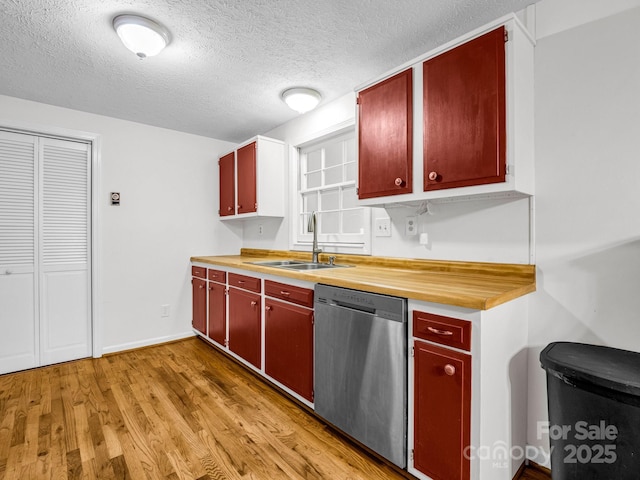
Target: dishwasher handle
351, 306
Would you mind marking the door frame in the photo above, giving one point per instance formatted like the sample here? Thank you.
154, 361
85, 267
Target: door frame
94, 140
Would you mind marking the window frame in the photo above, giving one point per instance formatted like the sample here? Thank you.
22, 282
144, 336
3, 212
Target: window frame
300, 241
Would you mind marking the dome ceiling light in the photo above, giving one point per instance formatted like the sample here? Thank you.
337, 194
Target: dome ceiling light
301, 99
142, 36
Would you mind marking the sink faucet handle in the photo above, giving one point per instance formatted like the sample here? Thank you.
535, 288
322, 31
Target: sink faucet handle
332, 259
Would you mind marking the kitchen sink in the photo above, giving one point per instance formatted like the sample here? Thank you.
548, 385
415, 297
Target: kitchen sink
311, 266
297, 265
280, 263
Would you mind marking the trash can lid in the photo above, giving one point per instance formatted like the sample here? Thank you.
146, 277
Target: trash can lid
610, 368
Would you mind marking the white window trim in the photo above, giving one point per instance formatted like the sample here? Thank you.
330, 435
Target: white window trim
294, 171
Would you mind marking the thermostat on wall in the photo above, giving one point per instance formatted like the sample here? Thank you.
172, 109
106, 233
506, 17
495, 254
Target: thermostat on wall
115, 198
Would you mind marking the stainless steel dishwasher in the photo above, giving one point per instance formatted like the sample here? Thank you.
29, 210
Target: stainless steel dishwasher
361, 367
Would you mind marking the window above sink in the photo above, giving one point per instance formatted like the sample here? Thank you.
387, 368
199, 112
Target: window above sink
325, 171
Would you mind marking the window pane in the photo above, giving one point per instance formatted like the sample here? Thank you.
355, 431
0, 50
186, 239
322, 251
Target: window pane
314, 160
348, 197
351, 150
314, 180
333, 175
310, 202
333, 154
351, 171
330, 200
327, 177
352, 221
330, 223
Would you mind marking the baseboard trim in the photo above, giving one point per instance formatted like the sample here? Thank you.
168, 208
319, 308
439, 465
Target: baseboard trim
540, 468
146, 343
529, 466
520, 471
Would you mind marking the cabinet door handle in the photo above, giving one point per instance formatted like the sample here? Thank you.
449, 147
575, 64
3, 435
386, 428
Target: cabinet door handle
253, 303
399, 182
267, 308
200, 286
241, 282
433, 176
284, 292
210, 288
445, 333
229, 209
239, 207
449, 369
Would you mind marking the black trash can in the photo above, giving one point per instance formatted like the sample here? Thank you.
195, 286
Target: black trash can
594, 411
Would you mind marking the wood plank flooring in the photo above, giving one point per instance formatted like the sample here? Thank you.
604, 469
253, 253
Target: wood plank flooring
176, 411
535, 472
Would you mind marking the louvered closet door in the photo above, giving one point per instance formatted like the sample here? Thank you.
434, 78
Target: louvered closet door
18, 221
65, 326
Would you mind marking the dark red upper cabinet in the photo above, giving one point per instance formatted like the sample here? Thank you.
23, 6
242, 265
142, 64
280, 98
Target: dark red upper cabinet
247, 200
385, 133
227, 185
465, 114
252, 180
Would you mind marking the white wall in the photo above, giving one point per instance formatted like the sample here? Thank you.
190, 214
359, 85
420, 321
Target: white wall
168, 182
587, 179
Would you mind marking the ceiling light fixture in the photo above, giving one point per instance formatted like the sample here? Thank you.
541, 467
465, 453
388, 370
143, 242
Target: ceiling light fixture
301, 99
142, 36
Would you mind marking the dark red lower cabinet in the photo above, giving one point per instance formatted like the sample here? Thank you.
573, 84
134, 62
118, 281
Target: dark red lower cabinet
245, 325
217, 313
289, 346
199, 310
442, 417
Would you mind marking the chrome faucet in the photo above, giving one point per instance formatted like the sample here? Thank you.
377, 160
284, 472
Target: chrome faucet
312, 226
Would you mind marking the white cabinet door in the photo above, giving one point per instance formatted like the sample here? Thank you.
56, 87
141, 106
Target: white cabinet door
45, 263
18, 225
65, 332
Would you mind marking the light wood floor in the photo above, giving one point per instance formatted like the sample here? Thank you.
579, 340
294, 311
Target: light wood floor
176, 411
535, 473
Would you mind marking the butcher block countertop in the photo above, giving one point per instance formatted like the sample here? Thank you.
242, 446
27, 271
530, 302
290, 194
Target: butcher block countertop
474, 285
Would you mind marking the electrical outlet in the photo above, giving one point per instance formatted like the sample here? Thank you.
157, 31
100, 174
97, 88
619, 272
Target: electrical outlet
383, 227
164, 310
260, 230
410, 226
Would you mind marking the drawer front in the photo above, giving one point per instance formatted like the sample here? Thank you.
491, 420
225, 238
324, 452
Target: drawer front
219, 276
199, 272
299, 295
242, 281
444, 330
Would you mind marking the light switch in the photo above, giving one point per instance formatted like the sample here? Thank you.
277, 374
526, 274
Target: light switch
383, 227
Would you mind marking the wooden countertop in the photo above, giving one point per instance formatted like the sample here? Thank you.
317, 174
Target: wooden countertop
466, 284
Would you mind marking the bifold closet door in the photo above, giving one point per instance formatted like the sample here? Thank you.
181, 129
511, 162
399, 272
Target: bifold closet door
45, 309
19, 335
65, 326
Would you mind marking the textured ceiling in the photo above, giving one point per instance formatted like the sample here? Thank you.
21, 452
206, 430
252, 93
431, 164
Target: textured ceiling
228, 62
